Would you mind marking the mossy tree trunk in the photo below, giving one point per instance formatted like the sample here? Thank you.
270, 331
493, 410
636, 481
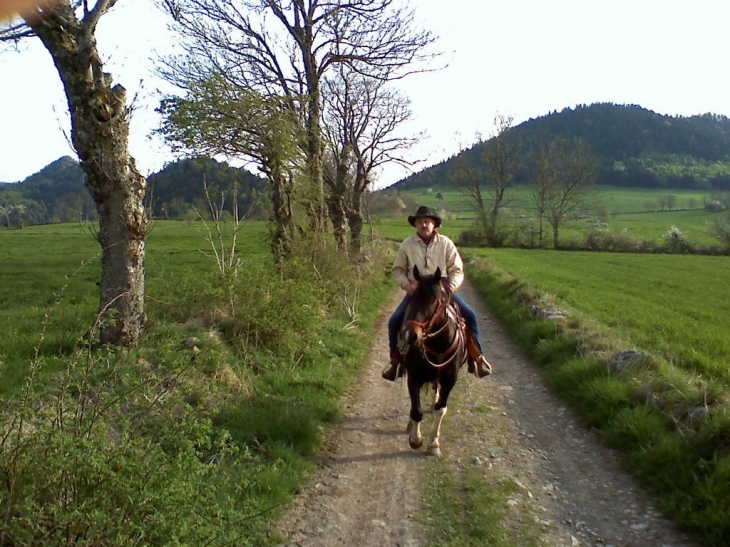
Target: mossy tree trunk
100, 135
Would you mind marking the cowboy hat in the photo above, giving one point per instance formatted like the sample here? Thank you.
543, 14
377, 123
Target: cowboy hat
424, 211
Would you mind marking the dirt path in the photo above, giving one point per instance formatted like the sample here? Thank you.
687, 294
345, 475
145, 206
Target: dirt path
365, 491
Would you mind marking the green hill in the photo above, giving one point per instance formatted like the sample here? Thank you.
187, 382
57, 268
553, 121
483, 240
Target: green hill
636, 148
57, 193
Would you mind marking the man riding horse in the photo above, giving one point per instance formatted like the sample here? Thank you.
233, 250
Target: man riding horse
429, 250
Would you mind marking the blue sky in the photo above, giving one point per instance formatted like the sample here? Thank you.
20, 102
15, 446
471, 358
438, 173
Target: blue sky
519, 58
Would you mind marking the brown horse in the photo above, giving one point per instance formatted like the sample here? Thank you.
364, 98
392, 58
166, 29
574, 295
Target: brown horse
432, 341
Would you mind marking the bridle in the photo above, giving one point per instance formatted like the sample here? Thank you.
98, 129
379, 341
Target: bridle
449, 355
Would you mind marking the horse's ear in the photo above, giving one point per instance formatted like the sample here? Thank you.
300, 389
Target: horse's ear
416, 273
437, 274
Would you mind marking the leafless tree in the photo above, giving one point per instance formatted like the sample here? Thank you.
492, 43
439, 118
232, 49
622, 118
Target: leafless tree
565, 185
363, 122
100, 136
485, 171
500, 154
5, 211
284, 48
469, 174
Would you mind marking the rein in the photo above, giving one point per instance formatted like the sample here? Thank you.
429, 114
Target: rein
425, 325
454, 349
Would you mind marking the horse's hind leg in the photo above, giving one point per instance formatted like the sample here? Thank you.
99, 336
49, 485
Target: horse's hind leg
435, 387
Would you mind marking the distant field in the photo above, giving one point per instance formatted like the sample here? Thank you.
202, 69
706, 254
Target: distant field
633, 210
673, 306
614, 199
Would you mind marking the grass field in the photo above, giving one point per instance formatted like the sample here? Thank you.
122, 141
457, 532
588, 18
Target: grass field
48, 293
669, 412
615, 200
671, 305
621, 210
268, 380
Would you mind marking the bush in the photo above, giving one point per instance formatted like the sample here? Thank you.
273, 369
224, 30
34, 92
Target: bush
471, 238
525, 233
599, 239
714, 206
676, 242
122, 463
719, 228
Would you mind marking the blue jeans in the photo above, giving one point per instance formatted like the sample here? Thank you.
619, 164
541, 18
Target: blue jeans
396, 320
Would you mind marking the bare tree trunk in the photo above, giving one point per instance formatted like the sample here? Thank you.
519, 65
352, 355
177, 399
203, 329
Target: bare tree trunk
338, 217
281, 242
355, 220
336, 176
100, 135
317, 206
354, 214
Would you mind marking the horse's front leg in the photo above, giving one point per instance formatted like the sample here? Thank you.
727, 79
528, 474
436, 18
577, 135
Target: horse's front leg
415, 439
434, 447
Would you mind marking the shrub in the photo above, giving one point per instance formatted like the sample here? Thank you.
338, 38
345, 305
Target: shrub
471, 238
719, 228
714, 206
525, 233
121, 463
599, 239
676, 241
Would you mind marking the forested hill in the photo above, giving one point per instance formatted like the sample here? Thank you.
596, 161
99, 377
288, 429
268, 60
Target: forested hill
57, 192
635, 146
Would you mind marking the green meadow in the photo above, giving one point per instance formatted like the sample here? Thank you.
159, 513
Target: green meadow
276, 347
668, 412
48, 294
615, 200
671, 305
631, 211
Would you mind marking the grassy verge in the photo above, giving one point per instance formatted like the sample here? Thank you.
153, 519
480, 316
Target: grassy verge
200, 434
670, 419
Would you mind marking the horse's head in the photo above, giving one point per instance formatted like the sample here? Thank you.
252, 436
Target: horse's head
427, 307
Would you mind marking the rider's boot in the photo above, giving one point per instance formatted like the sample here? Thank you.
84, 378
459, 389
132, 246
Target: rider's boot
483, 368
391, 371
477, 364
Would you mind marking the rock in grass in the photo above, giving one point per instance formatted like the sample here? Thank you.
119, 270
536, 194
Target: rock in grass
627, 358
